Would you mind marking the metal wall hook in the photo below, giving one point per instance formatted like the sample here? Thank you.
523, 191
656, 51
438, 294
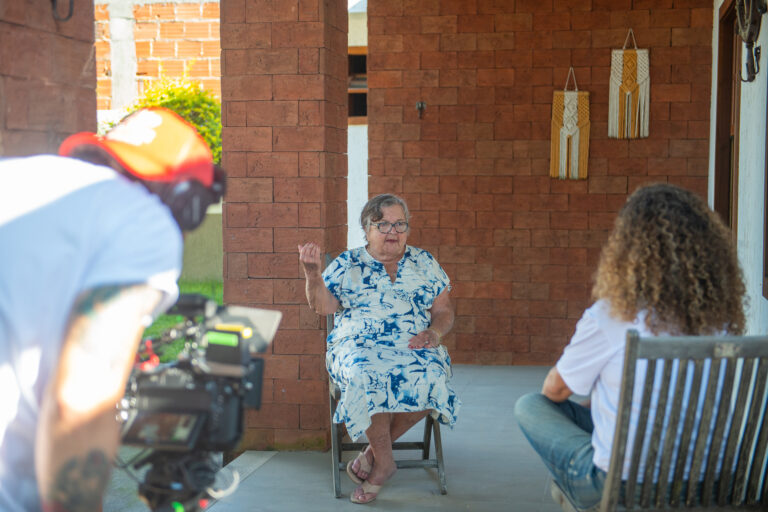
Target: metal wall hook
55, 8
753, 62
749, 15
421, 107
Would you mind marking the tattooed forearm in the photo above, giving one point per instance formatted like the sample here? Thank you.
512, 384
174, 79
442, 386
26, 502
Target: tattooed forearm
98, 350
79, 484
78, 407
101, 313
89, 302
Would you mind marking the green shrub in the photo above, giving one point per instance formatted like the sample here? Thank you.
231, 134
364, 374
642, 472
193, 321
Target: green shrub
188, 99
211, 289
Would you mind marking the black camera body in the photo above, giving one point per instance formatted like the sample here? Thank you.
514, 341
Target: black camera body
186, 411
180, 410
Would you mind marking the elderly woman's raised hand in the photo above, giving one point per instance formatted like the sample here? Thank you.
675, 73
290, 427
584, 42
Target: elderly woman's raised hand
310, 258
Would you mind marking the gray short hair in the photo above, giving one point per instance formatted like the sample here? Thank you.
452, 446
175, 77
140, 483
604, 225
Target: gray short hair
372, 209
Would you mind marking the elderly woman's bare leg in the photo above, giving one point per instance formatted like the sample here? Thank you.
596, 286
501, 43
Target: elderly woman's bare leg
400, 424
403, 421
380, 444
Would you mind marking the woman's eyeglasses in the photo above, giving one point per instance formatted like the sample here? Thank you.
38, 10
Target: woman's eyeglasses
386, 227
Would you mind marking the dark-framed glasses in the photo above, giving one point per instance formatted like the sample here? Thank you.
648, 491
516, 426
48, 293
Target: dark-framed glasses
386, 227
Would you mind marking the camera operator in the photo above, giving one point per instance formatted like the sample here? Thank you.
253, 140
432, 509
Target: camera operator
90, 251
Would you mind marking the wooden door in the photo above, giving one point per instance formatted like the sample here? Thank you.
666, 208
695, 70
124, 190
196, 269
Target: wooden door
727, 124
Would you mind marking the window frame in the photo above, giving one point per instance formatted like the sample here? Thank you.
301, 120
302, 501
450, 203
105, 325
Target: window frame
357, 51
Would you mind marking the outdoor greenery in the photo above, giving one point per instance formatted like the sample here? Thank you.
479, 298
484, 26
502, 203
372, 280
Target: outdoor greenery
188, 99
211, 289
200, 108
195, 104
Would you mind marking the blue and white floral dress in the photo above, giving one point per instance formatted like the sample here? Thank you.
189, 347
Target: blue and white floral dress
368, 354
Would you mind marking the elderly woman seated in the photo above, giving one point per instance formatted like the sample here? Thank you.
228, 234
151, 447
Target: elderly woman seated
391, 308
669, 267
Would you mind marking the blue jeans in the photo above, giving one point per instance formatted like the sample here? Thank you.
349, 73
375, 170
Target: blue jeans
561, 433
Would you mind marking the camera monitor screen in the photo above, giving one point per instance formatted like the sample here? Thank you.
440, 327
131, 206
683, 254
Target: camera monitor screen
163, 430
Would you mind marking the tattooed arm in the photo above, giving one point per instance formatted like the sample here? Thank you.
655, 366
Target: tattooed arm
77, 435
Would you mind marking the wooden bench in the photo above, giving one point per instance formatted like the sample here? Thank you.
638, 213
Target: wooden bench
740, 423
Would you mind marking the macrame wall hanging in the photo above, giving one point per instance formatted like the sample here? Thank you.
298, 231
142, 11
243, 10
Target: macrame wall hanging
629, 95
569, 151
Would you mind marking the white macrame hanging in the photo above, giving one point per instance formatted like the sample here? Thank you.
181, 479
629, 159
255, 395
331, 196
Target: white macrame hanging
629, 95
569, 148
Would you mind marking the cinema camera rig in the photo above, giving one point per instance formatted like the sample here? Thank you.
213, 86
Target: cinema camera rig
184, 413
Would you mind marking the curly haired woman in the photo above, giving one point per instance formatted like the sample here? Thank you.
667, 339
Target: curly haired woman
668, 267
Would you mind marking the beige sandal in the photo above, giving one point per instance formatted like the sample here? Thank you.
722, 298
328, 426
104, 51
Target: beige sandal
368, 490
364, 466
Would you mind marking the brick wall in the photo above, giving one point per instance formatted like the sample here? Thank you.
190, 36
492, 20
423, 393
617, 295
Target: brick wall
47, 76
520, 247
171, 40
284, 143
102, 49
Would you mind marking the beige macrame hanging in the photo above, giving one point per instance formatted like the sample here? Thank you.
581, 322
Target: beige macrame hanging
629, 96
569, 153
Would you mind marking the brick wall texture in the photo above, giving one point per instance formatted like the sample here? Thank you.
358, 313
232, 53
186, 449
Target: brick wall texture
47, 76
172, 40
284, 143
521, 248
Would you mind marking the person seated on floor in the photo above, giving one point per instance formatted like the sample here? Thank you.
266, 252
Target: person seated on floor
391, 308
668, 268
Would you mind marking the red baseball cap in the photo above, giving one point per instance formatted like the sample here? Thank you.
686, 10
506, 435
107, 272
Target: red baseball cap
153, 144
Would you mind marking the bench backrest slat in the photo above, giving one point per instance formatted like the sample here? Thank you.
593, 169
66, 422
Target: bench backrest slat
717, 437
699, 451
685, 440
755, 424
670, 433
734, 435
613, 480
653, 446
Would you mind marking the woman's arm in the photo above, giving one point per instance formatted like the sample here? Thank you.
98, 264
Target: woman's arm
555, 387
320, 300
442, 314
442, 322
77, 435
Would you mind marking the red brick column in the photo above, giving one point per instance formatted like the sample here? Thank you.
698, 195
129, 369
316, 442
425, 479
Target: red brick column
284, 144
47, 76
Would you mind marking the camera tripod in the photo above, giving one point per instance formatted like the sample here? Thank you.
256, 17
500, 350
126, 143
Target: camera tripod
177, 481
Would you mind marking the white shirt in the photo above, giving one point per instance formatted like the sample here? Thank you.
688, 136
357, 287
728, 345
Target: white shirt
65, 226
592, 364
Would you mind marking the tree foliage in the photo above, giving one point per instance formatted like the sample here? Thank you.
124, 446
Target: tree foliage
188, 99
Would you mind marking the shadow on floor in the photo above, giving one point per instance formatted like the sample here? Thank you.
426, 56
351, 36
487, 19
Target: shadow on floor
489, 465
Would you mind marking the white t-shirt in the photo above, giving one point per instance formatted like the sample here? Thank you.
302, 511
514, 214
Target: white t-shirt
65, 226
592, 364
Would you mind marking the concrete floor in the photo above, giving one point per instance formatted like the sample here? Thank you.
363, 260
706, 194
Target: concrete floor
489, 465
